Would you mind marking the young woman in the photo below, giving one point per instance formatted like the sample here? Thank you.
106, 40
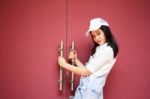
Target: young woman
95, 71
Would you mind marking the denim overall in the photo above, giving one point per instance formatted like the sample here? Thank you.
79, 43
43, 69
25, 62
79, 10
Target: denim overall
90, 87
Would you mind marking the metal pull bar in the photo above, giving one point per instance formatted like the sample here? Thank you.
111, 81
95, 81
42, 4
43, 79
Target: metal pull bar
61, 70
73, 63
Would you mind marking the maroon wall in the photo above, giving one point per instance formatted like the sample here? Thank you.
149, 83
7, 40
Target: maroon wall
24, 49
130, 24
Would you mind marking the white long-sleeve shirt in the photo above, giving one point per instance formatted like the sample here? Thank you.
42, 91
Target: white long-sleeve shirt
102, 61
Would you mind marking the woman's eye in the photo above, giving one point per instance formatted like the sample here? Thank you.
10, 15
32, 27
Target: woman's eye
98, 33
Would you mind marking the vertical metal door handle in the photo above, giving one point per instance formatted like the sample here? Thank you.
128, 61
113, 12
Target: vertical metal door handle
61, 70
73, 63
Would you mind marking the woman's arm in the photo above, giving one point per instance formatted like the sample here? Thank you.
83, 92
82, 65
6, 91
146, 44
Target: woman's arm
78, 63
81, 70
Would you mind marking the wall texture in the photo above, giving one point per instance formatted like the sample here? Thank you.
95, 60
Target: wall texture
129, 19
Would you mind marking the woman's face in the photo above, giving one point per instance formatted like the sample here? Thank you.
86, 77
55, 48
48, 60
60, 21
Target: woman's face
98, 36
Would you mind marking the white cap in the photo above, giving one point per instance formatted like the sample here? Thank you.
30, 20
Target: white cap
95, 24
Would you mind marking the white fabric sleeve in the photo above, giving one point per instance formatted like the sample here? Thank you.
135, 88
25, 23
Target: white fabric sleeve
100, 59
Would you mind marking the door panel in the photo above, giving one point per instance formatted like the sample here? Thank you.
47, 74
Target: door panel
129, 23
31, 31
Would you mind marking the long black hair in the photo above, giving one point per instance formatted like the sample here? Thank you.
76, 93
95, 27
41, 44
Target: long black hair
109, 39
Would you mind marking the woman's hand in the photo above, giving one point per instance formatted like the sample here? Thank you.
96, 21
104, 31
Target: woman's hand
72, 55
61, 61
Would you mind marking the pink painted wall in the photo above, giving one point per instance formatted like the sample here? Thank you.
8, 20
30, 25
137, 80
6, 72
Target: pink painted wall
130, 78
27, 69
